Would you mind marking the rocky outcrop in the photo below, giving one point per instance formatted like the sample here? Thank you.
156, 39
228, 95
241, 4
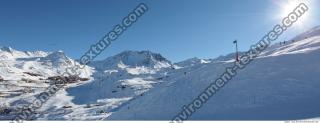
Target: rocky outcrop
69, 79
32, 74
28, 80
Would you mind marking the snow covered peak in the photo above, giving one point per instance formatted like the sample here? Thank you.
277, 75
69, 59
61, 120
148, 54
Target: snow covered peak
6, 49
57, 55
193, 61
308, 34
134, 59
14, 64
37, 53
10, 53
140, 58
57, 58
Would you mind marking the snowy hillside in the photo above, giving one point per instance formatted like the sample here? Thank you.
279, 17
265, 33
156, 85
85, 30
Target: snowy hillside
26, 74
118, 80
310, 33
281, 84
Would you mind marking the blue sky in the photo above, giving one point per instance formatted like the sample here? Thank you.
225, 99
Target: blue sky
178, 29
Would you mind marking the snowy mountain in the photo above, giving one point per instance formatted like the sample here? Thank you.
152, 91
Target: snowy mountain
193, 61
7, 53
133, 62
133, 59
281, 84
17, 65
26, 74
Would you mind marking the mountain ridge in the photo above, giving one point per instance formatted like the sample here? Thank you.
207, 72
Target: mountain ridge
142, 85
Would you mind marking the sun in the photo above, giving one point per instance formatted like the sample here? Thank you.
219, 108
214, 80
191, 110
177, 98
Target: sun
287, 6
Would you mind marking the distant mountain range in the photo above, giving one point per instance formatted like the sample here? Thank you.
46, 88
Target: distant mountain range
281, 84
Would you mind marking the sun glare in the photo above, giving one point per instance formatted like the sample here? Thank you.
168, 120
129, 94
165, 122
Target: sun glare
287, 6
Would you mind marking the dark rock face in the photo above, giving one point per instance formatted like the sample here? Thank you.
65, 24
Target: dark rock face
32, 74
69, 79
1, 79
28, 80
5, 111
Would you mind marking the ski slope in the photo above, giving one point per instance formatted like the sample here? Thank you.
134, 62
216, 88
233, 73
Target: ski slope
281, 84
